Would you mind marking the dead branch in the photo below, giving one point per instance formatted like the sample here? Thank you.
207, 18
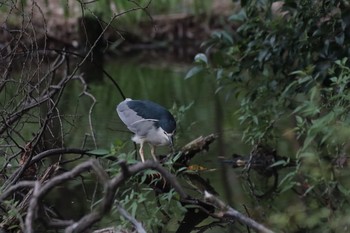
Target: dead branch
85, 92
138, 226
227, 211
197, 145
25, 105
31, 213
41, 191
58, 151
15, 187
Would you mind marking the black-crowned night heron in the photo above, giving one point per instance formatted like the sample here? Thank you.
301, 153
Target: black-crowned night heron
149, 121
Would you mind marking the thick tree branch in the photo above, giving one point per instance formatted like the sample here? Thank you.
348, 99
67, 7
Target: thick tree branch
191, 149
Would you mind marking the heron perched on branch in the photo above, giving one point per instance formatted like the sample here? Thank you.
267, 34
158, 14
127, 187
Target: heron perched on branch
149, 121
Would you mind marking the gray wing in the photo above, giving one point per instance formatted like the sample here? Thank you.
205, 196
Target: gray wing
135, 123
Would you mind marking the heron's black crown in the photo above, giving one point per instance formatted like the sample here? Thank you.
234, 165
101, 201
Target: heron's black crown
150, 110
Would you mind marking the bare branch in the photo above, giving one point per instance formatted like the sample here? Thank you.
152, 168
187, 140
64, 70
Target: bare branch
85, 92
26, 106
192, 148
56, 151
76, 171
32, 209
58, 223
138, 226
228, 211
150, 164
13, 188
38, 157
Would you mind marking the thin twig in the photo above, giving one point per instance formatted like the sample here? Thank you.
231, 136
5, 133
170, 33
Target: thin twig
138, 226
85, 92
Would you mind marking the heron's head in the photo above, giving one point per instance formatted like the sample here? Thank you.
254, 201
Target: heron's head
167, 124
169, 137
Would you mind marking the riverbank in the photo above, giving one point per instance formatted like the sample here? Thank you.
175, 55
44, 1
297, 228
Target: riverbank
47, 26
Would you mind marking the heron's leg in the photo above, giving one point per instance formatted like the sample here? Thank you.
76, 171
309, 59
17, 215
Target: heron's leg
172, 148
141, 152
153, 152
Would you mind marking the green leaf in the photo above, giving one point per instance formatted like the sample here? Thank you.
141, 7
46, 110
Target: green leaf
299, 120
288, 186
304, 79
201, 58
309, 189
343, 190
298, 72
288, 178
219, 73
309, 139
286, 90
218, 89
223, 36
278, 163
134, 209
98, 152
239, 17
193, 71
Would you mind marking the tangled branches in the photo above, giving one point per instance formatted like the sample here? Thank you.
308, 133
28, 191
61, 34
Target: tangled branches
39, 189
36, 123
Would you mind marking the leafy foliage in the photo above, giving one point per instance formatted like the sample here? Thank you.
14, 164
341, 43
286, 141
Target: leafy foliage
287, 65
139, 198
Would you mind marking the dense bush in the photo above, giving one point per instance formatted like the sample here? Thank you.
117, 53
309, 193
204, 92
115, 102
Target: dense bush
287, 65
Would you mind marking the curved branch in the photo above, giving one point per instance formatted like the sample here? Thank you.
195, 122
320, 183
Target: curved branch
76, 171
33, 206
56, 151
13, 188
111, 187
41, 191
39, 157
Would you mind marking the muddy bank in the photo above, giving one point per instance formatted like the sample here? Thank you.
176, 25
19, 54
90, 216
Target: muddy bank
44, 27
